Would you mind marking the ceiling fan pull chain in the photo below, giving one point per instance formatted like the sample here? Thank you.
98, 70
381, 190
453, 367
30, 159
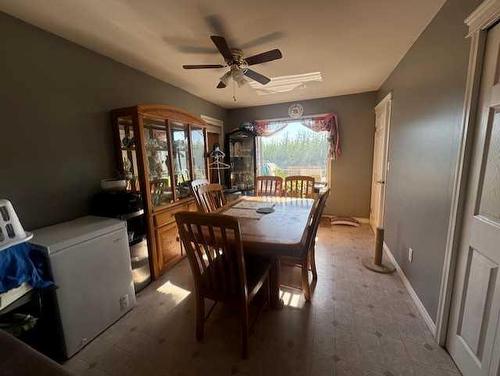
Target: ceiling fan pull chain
234, 91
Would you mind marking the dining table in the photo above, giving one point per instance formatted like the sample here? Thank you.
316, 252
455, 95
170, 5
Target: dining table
281, 232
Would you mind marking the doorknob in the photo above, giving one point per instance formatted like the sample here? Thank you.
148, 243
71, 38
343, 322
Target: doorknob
380, 182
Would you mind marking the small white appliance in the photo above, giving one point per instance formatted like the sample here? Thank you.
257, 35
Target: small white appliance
89, 260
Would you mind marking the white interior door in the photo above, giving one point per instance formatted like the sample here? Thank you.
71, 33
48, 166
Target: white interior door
380, 150
474, 326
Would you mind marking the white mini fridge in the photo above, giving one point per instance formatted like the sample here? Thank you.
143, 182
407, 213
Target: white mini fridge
89, 260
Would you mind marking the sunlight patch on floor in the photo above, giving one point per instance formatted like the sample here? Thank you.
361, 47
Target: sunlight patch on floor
292, 298
178, 294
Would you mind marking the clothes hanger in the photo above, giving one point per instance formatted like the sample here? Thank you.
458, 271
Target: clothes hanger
217, 155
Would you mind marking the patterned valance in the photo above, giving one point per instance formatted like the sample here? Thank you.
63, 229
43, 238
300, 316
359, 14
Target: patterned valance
321, 123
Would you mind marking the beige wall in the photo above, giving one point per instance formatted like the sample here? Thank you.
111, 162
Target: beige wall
55, 133
351, 173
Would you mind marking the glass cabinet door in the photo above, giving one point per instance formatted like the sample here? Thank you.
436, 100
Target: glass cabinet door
157, 158
128, 152
180, 159
242, 154
198, 153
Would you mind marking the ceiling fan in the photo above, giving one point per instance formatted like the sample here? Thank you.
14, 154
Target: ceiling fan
238, 65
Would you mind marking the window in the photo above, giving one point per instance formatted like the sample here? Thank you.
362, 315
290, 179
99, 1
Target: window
294, 150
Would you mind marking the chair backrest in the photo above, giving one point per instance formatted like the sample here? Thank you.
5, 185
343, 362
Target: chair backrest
268, 186
319, 207
215, 252
299, 186
211, 197
195, 185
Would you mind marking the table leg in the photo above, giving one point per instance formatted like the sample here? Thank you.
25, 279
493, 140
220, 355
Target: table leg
274, 279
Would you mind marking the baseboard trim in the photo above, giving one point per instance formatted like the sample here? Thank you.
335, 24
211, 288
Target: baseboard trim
359, 219
420, 306
362, 220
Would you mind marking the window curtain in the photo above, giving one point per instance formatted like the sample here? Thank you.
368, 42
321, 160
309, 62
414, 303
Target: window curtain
322, 123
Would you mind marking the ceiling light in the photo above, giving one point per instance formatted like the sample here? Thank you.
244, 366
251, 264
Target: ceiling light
225, 79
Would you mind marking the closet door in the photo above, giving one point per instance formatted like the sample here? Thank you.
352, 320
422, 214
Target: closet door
474, 330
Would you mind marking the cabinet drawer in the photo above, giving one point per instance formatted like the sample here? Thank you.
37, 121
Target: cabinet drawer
167, 217
163, 218
168, 243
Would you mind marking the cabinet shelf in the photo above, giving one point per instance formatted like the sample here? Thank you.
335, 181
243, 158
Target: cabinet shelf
159, 179
160, 127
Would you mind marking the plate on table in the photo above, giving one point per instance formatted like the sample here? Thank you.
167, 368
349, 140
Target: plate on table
266, 210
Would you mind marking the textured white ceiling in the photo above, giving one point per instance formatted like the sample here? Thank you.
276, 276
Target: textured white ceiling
355, 44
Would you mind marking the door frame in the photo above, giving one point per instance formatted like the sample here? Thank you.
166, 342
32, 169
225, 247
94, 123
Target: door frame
478, 23
386, 105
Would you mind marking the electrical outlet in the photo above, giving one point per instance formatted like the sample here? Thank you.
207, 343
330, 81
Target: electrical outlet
124, 302
410, 254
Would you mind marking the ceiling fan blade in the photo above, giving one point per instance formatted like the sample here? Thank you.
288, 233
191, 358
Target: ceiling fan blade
216, 25
271, 37
203, 66
221, 44
264, 57
221, 85
257, 77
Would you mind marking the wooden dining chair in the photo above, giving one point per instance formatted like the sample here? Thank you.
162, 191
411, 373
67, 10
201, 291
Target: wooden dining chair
221, 273
307, 259
211, 197
299, 186
195, 185
268, 186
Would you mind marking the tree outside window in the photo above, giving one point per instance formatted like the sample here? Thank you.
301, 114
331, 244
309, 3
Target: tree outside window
294, 150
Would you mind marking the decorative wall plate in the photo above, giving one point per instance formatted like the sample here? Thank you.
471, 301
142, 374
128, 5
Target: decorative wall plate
295, 111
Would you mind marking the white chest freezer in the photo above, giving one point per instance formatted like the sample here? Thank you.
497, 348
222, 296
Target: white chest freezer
90, 262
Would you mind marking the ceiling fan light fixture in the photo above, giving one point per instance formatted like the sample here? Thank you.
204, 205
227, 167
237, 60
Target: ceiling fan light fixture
238, 66
238, 76
225, 78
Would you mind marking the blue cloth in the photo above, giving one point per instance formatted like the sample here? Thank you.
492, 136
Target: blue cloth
19, 264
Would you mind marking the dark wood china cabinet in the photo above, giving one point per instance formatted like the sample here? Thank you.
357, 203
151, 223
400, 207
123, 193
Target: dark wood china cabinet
160, 149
